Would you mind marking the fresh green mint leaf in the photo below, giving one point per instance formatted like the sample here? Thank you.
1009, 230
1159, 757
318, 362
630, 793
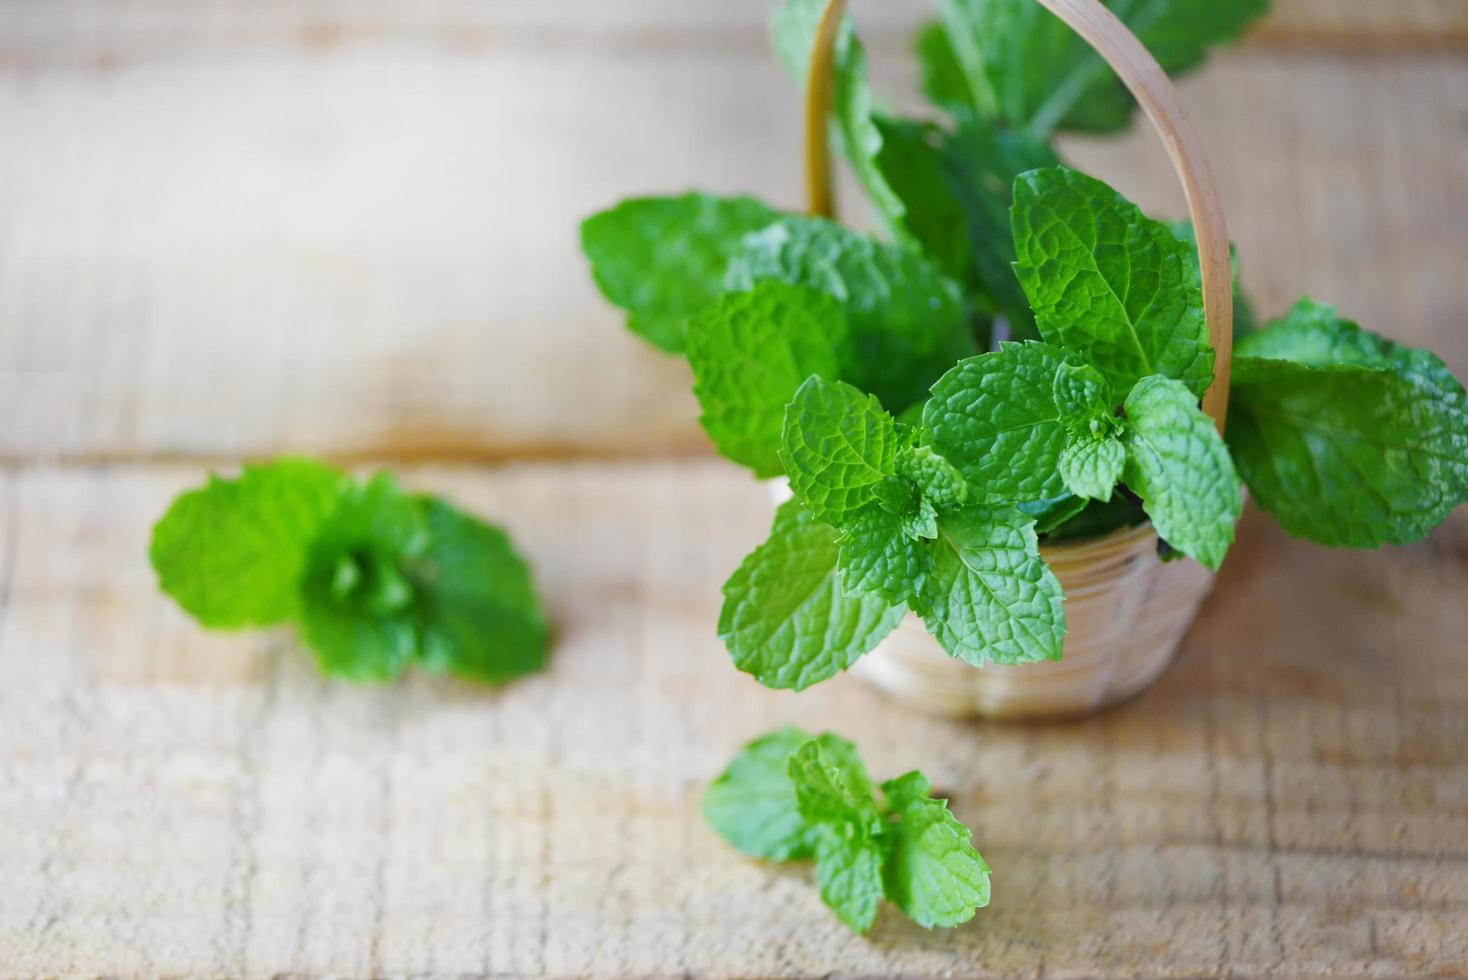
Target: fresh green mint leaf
934, 874
849, 874
1177, 463
750, 352
233, 552
662, 259
753, 805
357, 613
990, 595
1107, 281
785, 618
1346, 438
911, 163
477, 611
936, 479
908, 321
1052, 512
1081, 393
995, 418
787, 795
944, 80
880, 556
376, 578
1042, 76
1090, 465
793, 28
837, 446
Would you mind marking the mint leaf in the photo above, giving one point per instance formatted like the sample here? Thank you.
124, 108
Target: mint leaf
1041, 75
663, 259
956, 193
233, 552
934, 873
793, 27
357, 611
1346, 438
785, 618
936, 479
376, 578
944, 80
879, 556
990, 595
908, 321
1177, 463
849, 873
838, 444
749, 353
752, 804
1109, 282
1050, 513
834, 795
1090, 465
996, 419
477, 612
787, 795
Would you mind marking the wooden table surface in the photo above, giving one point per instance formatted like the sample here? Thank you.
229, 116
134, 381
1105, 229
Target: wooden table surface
237, 228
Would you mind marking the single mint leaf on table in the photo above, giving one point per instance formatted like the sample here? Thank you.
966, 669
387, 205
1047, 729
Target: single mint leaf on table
990, 596
1107, 281
358, 613
233, 552
1042, 76
787, 795
662, 259
749, 353
793, 28
995, 418
908, 321
753, 805
1178, 464
376, 578
838, 444
1344, 437
785, 618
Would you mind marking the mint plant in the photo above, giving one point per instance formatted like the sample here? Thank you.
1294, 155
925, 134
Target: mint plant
790, 796
1017, 358
376, 578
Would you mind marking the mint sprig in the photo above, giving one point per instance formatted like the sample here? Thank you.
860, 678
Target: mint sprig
377, 578
789, 795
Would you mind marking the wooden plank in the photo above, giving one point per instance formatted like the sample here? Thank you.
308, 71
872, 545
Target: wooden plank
1290, 798
241, 228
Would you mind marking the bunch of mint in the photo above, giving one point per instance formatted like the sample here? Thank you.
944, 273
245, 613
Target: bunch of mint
376, 578
925, 472
789, 796
1018, 357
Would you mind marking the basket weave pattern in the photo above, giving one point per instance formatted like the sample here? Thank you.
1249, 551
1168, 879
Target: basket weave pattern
1126, 612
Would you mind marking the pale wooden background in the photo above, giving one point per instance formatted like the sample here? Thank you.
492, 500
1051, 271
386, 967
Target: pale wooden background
232, 227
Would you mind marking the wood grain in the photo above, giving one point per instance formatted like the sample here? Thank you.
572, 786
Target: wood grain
1291, 797
231, 228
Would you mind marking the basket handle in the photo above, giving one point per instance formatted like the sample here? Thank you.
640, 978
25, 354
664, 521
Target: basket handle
1153, 90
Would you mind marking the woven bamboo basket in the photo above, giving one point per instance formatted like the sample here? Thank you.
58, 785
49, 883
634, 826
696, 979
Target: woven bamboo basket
1126, 611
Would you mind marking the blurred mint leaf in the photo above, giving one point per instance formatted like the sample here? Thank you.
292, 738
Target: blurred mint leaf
232, 553
753, 805
662, 259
